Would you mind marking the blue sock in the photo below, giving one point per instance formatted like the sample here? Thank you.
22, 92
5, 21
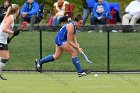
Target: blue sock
46, 59
77, 64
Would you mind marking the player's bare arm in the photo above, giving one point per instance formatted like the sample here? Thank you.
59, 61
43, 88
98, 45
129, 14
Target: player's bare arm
75, 40
71, 38
70, 35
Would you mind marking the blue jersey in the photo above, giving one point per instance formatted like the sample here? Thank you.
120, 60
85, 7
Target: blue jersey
61, 36
90, 3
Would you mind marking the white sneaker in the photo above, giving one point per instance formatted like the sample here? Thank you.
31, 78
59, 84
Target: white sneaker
82, 74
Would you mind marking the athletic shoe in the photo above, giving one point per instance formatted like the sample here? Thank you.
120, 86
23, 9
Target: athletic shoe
84, 73
38, 66
2, 78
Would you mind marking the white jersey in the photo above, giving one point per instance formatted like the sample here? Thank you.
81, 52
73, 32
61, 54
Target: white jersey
4, 35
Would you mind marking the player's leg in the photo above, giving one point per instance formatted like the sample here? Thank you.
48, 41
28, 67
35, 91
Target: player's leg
4, 58
49, 58
69, 49
57, 55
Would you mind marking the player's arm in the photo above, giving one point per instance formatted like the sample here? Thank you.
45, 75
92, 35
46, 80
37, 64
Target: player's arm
74, 45
75, 41
6, 27
77, 44
70, 35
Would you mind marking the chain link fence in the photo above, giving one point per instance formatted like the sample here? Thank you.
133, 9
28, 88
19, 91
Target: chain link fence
124, 51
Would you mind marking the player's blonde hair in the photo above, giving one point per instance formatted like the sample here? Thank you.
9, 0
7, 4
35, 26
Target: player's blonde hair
12, 9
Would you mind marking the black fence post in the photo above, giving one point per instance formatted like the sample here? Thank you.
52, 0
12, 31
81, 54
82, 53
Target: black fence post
108, 51
40, 34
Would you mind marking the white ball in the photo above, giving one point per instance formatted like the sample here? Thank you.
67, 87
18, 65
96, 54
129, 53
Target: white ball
95, 75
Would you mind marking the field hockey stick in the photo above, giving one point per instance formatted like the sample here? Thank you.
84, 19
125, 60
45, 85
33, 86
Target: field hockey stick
86, 58
24, 24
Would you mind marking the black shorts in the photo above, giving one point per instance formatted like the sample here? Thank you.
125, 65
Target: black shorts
3, 46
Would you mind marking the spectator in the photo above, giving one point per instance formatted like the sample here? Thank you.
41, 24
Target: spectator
133, 13
29, 12
60, 10
3, 9
100, 10
88, 6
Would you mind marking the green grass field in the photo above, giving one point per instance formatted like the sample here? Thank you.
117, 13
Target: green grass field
19, 82
124, 51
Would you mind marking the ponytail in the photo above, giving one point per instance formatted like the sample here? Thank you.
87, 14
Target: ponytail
8, 11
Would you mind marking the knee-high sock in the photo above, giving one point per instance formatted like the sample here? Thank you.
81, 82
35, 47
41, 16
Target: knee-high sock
46, 59
2, 65
77, 64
